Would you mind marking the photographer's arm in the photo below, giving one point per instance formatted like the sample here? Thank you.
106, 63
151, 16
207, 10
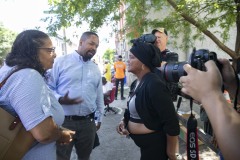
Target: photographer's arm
205, 87
225, 122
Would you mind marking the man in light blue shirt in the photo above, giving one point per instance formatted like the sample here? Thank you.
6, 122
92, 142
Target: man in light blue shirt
77, 84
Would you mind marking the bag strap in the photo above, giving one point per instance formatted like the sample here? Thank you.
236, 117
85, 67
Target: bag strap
17, 119
4, 81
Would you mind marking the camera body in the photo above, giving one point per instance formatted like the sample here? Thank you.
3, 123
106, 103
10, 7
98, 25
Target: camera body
172, 72
145, 38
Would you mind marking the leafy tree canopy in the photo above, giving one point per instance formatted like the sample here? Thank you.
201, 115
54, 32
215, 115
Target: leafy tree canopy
178, 16
6, 39
109, 55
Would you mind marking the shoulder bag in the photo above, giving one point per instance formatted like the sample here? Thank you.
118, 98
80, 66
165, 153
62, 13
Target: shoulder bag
15, 141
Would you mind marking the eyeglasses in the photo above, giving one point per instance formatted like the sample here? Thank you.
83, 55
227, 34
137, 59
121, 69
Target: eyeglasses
52, 50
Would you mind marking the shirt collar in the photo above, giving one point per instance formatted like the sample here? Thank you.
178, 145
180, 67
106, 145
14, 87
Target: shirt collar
77, 56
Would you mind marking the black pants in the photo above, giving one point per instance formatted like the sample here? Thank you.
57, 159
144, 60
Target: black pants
152, 146
96, 141
83, 139
122, 85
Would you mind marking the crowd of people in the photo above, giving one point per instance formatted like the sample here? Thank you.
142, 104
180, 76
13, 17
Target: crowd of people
56, 98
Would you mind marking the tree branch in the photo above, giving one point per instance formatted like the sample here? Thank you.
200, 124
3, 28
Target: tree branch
237, 45
205, 31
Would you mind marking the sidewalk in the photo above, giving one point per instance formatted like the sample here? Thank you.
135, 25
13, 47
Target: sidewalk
116, 147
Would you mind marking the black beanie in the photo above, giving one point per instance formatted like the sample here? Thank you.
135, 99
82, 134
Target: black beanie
147, 53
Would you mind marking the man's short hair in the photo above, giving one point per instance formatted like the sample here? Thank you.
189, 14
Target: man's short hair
87, 34
120, 57
162, 30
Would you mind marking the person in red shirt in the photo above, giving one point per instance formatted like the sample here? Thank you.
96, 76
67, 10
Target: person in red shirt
119, 67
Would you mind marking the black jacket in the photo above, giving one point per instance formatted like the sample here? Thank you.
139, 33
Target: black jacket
155, 107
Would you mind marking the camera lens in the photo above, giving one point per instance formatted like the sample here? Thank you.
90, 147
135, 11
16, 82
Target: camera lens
171, 72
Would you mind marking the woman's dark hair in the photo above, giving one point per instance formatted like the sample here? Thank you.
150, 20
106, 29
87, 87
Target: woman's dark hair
24, 52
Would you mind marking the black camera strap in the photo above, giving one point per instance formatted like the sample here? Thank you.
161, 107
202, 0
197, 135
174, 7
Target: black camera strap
179, 103
192, 136
236, 94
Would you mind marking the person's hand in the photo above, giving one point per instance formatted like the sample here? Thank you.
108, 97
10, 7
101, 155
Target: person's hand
66, 136
163, 63
98, 125
228, 75
67, 100
200, 84
121, 128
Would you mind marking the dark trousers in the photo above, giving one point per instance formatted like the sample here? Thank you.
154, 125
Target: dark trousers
152, 146
96, 141
122, 85
83, 139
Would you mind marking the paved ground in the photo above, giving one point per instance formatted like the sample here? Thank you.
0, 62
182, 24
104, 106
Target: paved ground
116, 147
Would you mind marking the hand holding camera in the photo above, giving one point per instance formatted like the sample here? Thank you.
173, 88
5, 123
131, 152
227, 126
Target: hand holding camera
200, 84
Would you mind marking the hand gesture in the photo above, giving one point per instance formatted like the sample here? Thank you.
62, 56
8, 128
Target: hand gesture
67, 100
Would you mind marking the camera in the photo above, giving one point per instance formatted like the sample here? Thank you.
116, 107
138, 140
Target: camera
172, 72
145, 38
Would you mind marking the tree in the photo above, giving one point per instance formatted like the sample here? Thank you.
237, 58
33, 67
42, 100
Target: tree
195, 18
6, 39
109, 55
65, 13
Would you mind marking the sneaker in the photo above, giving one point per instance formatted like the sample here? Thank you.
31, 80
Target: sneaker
123, 98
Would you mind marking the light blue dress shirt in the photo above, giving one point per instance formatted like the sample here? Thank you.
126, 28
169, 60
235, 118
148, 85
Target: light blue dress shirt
81, 79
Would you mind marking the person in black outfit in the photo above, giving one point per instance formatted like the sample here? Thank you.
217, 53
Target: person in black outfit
167, 56
150, 120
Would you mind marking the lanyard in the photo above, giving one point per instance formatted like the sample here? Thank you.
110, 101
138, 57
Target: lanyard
192, 136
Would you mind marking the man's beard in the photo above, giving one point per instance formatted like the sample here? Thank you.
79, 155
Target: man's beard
86, 58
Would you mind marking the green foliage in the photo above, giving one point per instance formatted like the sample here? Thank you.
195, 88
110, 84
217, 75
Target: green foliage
109, 55
198, 17
66, 13
6, 39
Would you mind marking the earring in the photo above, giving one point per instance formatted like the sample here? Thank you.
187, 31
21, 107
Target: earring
143, 67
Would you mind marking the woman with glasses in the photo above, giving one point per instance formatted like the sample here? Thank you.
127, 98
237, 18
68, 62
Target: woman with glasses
25, 93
